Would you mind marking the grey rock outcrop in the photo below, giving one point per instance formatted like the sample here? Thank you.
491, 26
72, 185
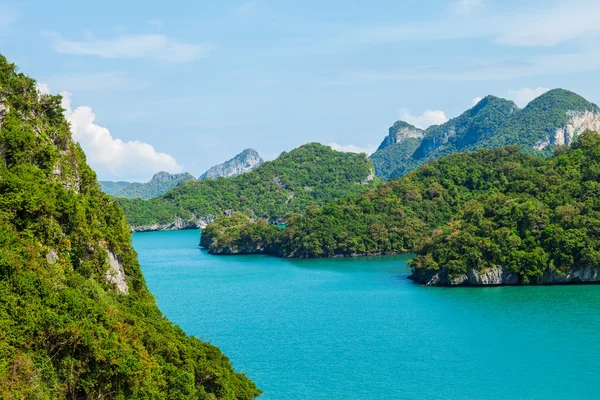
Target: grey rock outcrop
115, 273
504, 276
399, 132
246, 161
178, 224
578, 122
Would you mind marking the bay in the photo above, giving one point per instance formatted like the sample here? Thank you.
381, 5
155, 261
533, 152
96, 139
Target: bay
359, 329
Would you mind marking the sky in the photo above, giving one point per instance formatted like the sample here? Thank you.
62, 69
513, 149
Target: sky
181, 86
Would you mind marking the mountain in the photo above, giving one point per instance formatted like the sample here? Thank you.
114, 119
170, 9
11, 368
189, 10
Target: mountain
246, 161
112, 188
489, 217
76, 318
160, 183
312, 174
552, 119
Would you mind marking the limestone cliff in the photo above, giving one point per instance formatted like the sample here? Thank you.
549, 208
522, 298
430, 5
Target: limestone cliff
399, 133
504, 276
244, 162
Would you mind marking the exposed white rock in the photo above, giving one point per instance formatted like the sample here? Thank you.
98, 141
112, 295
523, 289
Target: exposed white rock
3, 110
369, 178
542, 144
408, 133
246, 161
178, 224
115, 273
579, 122
52, 256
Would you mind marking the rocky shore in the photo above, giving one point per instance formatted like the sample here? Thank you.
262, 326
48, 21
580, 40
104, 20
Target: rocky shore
504, 276
177, 225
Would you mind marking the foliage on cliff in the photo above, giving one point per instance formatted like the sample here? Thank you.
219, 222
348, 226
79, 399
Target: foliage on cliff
238, 234
470, 211
65, 330
547, 218
490, 124
310, 174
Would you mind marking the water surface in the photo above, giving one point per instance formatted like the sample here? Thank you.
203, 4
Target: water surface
358, 329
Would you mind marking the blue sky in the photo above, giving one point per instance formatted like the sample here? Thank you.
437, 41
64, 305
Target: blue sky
182, 85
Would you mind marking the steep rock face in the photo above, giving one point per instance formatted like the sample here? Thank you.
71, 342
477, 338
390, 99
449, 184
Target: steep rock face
400, 132
177, 225
504, 276
578, 122
115, 273
246, 161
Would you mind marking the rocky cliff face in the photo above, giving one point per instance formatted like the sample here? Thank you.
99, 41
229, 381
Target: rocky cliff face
578, 122
177, 225
504, 276
246, 161
400, 132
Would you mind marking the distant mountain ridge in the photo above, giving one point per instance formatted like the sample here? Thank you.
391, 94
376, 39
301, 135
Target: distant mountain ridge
555, 118
243, 162
160, 183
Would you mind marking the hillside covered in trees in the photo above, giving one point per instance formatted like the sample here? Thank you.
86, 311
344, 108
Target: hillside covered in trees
526, 218
76, 318
310, 174
553, 119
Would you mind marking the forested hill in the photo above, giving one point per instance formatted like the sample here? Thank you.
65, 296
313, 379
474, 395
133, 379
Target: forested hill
488, 217
311, 174
555, 118
76, 318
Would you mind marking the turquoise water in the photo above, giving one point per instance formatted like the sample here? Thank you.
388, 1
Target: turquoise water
358, 329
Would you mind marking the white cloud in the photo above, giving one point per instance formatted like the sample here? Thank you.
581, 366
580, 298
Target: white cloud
476, 100
524, 95
553, 64
565, 21
110, 157
152, 46
425, 120
350, 148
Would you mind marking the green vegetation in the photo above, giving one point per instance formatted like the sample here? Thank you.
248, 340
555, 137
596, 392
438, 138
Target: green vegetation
310, 174
65, 330
500, 208
491, 124
545, 220
238, 234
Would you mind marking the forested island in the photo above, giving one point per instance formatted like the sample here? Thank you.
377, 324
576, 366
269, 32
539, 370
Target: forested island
76, 318
310, 174
501, 216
